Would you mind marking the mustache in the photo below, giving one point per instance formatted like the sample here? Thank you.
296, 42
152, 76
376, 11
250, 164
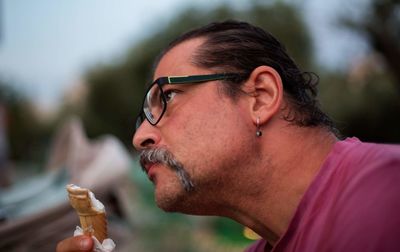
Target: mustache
163, 156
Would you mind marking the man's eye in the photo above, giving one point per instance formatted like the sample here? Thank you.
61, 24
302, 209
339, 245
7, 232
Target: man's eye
170, 94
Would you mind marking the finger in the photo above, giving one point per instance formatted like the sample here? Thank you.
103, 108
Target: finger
77, 243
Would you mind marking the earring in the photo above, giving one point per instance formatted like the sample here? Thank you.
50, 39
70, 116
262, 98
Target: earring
258, 132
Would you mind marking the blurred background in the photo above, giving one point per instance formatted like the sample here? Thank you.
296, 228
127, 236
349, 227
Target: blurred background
71, 81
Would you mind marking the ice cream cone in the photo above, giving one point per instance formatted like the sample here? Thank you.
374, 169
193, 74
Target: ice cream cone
91, 212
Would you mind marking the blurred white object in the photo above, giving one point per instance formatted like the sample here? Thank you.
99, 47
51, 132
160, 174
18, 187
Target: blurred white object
39, 204
98, 165
94, 165
108, 245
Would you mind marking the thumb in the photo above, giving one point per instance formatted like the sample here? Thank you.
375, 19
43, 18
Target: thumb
77, 243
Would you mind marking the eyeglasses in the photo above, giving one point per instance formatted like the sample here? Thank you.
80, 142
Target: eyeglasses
155, 101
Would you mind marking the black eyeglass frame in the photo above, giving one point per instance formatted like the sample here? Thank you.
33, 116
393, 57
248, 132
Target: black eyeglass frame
189, 79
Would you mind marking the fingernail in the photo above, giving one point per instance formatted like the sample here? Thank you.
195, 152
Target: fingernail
85, 243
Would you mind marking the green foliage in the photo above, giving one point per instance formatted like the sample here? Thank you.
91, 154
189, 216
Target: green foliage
229, 231
368, 105
25, 133
364, 108
379, 25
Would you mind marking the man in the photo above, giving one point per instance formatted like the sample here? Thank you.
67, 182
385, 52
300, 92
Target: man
241, 136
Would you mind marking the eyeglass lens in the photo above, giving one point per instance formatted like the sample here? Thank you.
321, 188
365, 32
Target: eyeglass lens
154, 104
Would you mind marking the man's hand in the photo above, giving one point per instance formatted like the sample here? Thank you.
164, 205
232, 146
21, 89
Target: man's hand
77, 243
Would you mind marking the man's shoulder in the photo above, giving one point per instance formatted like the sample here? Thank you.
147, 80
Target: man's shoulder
366, 204
353, 144
353, 203
365, 168
353, 155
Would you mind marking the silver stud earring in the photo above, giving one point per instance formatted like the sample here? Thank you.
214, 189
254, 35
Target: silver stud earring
258, 132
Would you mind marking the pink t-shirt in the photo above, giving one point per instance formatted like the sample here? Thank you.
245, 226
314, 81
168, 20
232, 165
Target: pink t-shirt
352, 205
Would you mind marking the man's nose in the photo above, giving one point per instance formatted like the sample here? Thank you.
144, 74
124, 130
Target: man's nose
145, 136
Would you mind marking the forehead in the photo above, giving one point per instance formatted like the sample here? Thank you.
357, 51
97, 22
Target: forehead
178, 60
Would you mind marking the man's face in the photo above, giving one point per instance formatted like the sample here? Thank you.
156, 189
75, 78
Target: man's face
205, 132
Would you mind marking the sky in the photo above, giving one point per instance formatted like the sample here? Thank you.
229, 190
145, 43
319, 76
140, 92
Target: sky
46, 45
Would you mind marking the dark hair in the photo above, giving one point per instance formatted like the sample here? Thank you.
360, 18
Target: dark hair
234, 46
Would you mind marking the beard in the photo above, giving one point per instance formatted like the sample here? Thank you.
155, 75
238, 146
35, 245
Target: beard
163, 156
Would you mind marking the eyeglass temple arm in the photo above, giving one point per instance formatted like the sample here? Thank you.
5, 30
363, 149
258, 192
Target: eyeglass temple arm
196, 78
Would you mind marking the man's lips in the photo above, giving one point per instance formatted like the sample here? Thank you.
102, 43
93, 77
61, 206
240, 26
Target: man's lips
145, 164
146, 167
149, 169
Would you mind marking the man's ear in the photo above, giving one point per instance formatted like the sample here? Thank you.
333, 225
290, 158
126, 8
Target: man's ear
265, 85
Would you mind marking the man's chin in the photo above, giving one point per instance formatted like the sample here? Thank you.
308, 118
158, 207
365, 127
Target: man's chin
168, 205
171, 202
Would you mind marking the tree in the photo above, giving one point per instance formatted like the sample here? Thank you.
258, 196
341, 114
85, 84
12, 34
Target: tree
369, 95
25, 133
380, 26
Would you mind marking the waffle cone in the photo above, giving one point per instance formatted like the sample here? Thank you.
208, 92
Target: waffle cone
93, 221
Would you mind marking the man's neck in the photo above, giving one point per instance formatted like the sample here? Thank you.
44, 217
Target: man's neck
290, 161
